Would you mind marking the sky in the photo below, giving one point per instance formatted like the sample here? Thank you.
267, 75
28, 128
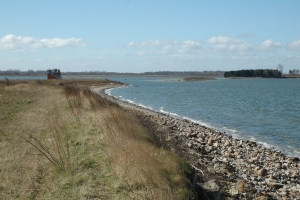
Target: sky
147, 36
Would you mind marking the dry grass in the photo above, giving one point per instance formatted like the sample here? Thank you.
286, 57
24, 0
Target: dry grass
60, 141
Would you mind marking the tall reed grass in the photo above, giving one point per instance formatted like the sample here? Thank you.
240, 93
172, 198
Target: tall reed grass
63, 141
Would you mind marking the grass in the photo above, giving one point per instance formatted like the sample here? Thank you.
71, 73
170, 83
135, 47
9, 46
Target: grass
59, 140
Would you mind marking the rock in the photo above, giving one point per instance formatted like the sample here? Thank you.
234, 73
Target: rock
209, 190
261, 198
253, 160
262, 172
295, 159
226, 143
233, 192
169, 138
295, 189
240, 143
240, 186
278, 166
200, 140
216, 144
209, 142
273, 184
236, 153
249, 169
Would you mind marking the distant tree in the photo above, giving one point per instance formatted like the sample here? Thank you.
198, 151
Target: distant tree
280, 68
266, 73
294, 71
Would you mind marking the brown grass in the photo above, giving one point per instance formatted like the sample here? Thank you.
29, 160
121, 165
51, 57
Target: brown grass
59, 140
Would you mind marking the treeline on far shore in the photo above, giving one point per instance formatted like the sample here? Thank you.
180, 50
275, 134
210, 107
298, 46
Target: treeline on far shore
265, 73
16, 72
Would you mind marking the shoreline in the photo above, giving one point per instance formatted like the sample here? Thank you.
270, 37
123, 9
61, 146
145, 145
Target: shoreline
236, 133
248, 169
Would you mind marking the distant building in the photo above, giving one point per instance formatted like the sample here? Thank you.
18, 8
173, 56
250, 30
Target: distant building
53, 74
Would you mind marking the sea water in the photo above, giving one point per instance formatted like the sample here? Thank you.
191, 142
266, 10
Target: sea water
263, 110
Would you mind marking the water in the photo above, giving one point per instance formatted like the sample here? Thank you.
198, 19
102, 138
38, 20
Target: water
263, 110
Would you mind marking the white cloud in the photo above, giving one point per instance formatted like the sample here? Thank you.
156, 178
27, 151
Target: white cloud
161, 47
240, 47
222, 40
166, 47
149, 43
141, 53
269, 45
58, 42
218, 48
189, 46
227, 44
20, 43
295, 45
213, 45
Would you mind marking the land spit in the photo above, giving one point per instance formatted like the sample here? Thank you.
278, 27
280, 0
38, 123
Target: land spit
242, 168
197, 78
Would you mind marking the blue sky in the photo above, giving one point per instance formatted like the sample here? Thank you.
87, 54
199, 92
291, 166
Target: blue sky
140, 36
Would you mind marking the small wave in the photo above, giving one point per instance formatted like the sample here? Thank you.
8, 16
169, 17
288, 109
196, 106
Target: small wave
237, 134
108, 92
168, 113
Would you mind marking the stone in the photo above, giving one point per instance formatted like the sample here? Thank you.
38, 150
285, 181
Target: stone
249, 169
216, 144
209, 142
226, 143
295, 189
240, 186
273, 184
209, 190
278, 166
262, 172
233, 191
261, 198
169, 138
295, 159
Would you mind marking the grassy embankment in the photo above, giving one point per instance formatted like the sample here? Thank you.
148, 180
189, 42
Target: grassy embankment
61, 142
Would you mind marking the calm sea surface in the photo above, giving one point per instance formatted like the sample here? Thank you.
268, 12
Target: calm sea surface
263, 110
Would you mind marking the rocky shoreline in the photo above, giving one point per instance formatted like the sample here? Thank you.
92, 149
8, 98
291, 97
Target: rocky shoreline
242, 169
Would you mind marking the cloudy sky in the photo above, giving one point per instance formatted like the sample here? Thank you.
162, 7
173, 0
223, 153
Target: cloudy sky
144, 35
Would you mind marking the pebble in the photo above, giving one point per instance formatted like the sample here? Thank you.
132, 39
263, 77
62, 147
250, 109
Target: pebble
265, 171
